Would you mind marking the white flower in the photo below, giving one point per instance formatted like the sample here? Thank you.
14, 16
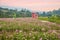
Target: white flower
30, 34
33, 37
20, 31
43, 29
25, 39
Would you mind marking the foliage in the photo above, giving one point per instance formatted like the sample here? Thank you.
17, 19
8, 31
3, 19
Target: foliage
10, 13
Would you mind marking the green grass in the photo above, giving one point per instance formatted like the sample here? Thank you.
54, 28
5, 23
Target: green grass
51, 19
43, 18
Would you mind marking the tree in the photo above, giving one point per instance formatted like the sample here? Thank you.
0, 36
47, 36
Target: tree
14, 15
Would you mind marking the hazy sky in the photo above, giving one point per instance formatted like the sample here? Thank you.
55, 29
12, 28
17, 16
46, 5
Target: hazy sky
35, 5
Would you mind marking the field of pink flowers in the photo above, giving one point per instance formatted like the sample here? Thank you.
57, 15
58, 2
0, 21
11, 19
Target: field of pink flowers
28, 29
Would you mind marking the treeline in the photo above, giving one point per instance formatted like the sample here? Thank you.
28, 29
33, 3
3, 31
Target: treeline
10, 13
51, 13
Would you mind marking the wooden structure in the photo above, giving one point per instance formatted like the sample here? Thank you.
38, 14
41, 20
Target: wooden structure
34, 15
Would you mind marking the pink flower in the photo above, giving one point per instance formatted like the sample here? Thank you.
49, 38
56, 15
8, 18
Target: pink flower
40, 38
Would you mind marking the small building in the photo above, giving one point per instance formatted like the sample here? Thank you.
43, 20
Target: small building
34, 15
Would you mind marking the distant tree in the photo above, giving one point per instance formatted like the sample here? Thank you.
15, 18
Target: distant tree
14, 15
44, 14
